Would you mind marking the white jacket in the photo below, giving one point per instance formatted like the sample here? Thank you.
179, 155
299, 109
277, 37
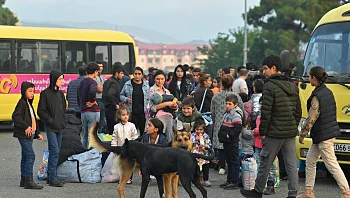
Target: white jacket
123, 131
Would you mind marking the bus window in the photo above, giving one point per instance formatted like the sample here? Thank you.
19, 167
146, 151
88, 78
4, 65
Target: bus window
98, 52
121, 56
50, 57
27, 58
75, 56
5, 56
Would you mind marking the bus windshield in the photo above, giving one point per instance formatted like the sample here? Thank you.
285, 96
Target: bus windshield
329, 48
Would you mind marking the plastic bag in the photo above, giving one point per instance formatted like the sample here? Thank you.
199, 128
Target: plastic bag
249, 173
109, 171
42, 173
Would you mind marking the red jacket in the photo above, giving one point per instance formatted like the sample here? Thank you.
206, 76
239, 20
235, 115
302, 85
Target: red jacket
257, 140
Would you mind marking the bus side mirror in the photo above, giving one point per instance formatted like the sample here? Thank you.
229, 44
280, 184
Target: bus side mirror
303, 86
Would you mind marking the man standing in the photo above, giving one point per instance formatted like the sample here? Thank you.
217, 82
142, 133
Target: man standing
151, 72
90, 111
111, 96
51, 110
195, 74
100, 81
72, 91
280, 116
240, 85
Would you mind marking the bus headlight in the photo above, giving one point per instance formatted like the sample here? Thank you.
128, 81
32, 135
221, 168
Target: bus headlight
301, 124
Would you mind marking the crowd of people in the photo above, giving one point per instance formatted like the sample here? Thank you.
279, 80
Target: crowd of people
240, 113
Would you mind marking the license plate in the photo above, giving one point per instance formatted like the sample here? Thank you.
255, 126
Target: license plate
342, 148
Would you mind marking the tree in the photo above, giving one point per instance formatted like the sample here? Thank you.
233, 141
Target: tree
227, 50
287, 24
6, 16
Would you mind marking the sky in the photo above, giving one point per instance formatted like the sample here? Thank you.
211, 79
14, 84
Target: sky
184, 20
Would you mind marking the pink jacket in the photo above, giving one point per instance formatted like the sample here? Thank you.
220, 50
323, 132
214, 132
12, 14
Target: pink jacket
248, 108
257, 140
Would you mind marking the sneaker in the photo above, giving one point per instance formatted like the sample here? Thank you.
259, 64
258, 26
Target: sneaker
250, 193
269, 191
207, 183
129, 181
231, 186
224, 184
217, 166
222, 171
304, 195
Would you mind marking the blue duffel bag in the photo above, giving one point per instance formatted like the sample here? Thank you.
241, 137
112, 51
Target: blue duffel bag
84, 168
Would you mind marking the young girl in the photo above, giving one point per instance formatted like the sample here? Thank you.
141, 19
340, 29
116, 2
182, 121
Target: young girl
124, 129
25, 129
154, 132
216, 84
201, 141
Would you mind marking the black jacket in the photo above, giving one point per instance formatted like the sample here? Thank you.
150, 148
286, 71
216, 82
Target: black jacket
185, 89
71, 143
21, 115
198, 97
280, 110
111, 92
326, 126
52, 105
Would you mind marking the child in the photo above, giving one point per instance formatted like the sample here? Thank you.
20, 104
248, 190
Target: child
258, 86
124, 129
274, 172
154, 132
230, 130
247, 150
248, 107
216, 84
188, 116
201, 141
25, 129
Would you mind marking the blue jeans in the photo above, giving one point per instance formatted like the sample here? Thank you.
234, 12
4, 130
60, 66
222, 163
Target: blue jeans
232, 159
102, 120
28, 157
88, 119
54, 141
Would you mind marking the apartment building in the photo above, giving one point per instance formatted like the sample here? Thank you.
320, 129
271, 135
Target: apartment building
167, 57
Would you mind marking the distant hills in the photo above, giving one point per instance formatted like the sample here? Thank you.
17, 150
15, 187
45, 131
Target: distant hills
141, 35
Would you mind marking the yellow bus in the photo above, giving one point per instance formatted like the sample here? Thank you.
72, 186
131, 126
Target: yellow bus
329, 47
29, 54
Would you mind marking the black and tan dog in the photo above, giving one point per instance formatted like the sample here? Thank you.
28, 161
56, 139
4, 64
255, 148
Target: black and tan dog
153, 161
182, 139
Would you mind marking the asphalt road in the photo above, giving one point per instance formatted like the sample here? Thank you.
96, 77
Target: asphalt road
10, 174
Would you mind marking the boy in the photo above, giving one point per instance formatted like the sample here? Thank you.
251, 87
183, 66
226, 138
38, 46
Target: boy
188, 116
230, 130
25, 129
51, 110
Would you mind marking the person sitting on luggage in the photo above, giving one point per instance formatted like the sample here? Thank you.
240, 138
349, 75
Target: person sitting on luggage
71, 143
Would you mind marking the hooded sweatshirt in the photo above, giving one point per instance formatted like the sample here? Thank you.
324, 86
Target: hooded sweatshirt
281, 109
24, 115
52, 106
